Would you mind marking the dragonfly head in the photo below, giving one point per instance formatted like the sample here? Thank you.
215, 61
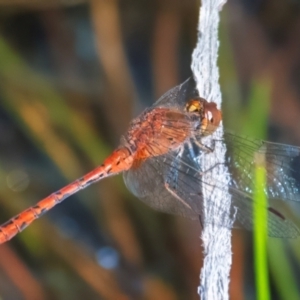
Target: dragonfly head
210, 115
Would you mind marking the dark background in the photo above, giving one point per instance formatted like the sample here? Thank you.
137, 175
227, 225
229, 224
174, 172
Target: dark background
72, 76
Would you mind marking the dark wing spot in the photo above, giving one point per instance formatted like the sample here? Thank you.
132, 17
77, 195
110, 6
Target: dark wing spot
276, 212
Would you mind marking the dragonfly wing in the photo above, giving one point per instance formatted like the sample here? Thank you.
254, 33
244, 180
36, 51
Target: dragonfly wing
190, 184
277, 225
148, 183
173, 183
282, 163
178, 96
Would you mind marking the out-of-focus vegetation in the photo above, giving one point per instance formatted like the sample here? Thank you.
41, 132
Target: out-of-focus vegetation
72, 75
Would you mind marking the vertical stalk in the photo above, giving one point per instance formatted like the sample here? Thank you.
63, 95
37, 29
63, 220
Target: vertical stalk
214, 278
260, 230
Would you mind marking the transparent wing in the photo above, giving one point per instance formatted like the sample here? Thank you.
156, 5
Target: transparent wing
281, 166
282, 161
278, 225
241, 209
149, 183
178, 96
173, 183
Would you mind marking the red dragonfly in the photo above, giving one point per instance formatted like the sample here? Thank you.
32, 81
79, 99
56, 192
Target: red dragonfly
159, 156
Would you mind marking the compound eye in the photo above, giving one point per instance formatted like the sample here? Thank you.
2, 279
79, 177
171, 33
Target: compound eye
212, 114
193, 106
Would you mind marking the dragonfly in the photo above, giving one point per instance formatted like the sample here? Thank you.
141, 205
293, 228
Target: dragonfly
159, 157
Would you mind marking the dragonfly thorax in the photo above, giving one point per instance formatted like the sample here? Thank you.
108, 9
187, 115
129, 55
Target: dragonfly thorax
158, 131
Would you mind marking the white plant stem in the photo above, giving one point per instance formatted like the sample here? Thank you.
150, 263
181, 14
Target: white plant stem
214, 277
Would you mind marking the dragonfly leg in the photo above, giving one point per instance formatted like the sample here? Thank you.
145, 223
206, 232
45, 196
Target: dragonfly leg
206, 148
201, 223
193, 154
211, 168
